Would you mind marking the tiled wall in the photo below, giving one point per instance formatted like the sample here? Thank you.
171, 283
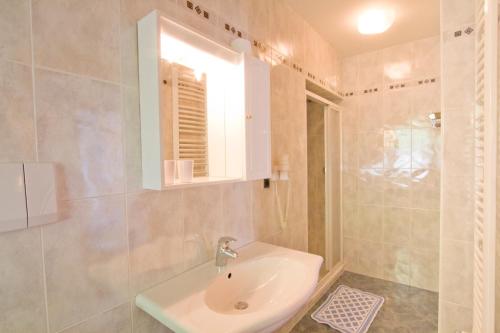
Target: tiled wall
69, 94
391, 163
456, 263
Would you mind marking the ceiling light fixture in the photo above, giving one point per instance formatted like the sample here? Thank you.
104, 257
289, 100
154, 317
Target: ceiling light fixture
375, 21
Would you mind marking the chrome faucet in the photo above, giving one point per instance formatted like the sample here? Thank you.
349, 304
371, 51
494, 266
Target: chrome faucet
224, 251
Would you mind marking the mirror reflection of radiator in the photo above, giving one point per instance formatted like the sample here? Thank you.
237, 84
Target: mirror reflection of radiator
190, 118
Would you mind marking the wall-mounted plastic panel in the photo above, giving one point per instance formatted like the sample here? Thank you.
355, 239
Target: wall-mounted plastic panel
41, 193
13, 214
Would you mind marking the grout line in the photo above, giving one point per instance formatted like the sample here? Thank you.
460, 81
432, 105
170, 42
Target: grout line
125, 180
35, 129
76, 75
91, 317
107, 195
44, 271
20, 63
33, 93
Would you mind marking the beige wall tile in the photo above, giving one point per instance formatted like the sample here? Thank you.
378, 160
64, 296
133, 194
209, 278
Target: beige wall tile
455, 13
425, 189
132, 11
144, 323
203, 223
398, 62
350, 150
132, 139
80, 127
371, 70
237, 212
396, 263
23, 306
349, 73
350, 220
456, 266
86, 260
350, 116
198, 23
397, 188
396, 226
427, 57
265, 217
17, 132
458, 202
426, 148
259, 18
454, 318
371, 186
116, 320
350, 187
369, 109
425, 229
351, 254
458, 72
233, 12
424, 269
371, 220
78, 37
371, 150
426, 100
156, 237
279, 31
397, 149
298, 35
293, 237
15, 30
371, 258
458, 150
397, 109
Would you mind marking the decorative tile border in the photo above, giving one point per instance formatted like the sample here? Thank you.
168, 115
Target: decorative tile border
268, 53
392, 87
465, 31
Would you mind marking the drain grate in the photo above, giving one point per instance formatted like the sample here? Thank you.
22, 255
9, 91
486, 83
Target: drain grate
241, 305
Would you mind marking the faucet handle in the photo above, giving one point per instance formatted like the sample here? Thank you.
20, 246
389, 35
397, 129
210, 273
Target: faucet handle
226, 240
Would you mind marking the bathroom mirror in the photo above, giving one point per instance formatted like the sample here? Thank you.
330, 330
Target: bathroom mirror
201, 103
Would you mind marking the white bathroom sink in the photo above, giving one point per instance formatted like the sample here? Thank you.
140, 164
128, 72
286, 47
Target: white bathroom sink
258, 292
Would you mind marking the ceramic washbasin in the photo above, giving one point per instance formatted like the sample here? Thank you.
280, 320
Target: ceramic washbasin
257, 292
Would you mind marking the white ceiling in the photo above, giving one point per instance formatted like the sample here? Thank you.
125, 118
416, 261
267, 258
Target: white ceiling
336, 21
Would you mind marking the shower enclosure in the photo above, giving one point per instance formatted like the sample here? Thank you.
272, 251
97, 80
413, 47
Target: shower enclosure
324, 188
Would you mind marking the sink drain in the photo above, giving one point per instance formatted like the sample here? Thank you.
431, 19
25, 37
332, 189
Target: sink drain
241, 305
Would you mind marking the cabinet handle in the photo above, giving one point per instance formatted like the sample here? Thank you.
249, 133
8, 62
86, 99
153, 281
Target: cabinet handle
248, 116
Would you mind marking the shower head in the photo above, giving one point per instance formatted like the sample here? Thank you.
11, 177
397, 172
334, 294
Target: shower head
435, 119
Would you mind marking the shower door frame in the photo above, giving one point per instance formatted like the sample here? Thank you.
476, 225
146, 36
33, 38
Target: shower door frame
328, 108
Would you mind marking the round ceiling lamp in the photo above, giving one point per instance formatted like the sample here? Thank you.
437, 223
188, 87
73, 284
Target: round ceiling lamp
375, 21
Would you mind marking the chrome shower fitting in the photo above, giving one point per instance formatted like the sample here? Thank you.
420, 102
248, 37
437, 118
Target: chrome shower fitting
435, 118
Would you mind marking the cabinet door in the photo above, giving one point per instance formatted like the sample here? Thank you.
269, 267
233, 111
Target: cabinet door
258, 132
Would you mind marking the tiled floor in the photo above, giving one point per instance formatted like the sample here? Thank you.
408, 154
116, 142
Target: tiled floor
405, 310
